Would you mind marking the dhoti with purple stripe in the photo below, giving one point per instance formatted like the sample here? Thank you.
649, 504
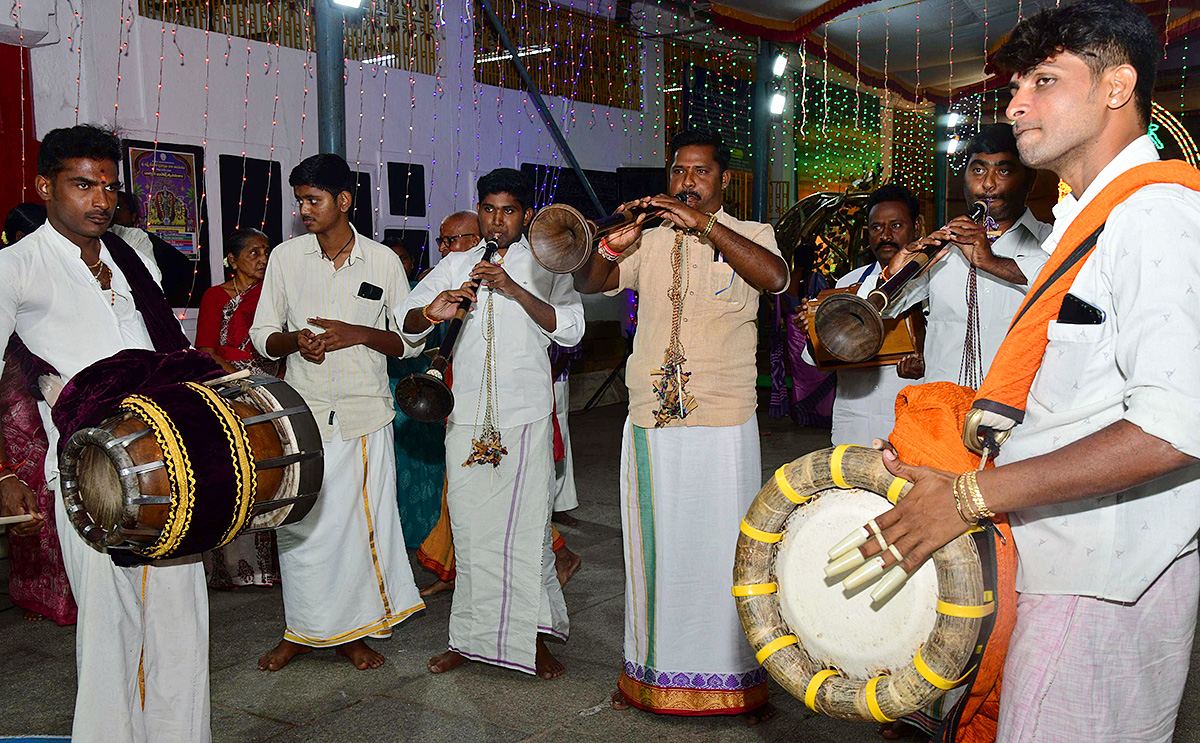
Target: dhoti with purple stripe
506, 591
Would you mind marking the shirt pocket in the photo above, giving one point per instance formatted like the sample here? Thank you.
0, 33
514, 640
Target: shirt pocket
723, 284
1075, 366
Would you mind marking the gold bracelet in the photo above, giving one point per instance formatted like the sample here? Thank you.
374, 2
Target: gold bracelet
432, 321
10, 476
971, 483
712, 221
962, 505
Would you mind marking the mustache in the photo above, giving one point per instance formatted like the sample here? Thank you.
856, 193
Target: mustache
683, 195
887, 243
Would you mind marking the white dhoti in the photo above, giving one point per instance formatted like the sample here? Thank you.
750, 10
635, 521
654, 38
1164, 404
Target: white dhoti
1079, 668
565, 495
141, 641
345, 572
684, 491
506, 590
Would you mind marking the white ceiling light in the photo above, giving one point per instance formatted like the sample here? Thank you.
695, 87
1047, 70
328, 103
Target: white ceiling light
952, 120
780, 65
778, 100
528, 51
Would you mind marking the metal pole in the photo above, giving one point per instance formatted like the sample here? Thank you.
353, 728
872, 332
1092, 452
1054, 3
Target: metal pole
941, 164
331, 79
761, 118
541, 107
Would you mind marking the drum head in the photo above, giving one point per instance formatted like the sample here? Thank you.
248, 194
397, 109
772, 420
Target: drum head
100, 488
845, 629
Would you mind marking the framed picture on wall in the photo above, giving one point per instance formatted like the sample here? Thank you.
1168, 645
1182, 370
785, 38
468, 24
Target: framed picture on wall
165, 180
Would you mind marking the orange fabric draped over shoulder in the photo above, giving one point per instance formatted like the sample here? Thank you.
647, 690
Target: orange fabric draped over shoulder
930, 417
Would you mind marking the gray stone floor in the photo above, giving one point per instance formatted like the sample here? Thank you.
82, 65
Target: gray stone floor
321, 697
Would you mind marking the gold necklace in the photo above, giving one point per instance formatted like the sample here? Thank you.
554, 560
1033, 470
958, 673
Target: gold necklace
93, 266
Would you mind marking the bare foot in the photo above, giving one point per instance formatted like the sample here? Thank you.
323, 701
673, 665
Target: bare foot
436, 587
548, 667
32, 616
360, 654
565, 518
761, 713
896, 730
566, 563
618, 700
447, 661
282, 655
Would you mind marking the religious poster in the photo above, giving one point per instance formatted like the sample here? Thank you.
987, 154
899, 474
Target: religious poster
165, 182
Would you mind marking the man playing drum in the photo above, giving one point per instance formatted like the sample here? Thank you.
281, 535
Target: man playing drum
345, 572
1098, 385
75, 299
690, 451
499, 436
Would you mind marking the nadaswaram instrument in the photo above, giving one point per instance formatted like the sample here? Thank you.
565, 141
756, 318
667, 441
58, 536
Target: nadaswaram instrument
902, 335
851, 328
561, 238
425, 396
841, 652
188, 467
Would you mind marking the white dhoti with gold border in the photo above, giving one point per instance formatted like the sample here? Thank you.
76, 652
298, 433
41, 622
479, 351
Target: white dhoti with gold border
345, 571
684, 491
506, 591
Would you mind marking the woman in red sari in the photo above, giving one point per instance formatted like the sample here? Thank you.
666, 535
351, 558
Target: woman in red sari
223, 332
37, 580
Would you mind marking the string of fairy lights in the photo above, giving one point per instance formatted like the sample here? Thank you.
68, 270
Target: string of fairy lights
631, 81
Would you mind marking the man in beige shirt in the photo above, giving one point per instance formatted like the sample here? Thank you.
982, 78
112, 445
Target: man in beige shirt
690, 452
327, 299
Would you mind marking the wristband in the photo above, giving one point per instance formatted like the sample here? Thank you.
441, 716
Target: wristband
712, 221
608, 253
432, 321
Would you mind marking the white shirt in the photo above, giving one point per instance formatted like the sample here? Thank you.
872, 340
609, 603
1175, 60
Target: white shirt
54, 303
865, 405
944, 288
522, 362
301, 283
139, 240
1141, 364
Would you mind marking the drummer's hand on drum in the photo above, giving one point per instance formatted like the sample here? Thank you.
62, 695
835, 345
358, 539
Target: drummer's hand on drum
310, 346
619, 239
444, 305
17, 499
923, 521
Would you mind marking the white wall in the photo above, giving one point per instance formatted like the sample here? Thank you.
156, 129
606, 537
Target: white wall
457, 129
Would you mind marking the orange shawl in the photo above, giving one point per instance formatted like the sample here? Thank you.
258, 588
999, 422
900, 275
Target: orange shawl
930, 417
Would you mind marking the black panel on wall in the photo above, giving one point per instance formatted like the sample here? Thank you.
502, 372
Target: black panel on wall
360, 210
406, 189
634, 183
416, 242
244, 204
562, 186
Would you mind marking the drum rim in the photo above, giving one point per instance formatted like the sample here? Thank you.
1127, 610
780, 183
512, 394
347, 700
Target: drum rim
96, 536
796, 484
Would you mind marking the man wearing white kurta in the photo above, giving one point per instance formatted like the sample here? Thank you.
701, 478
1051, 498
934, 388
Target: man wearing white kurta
506, 594
690, 458
327, 300
142, 637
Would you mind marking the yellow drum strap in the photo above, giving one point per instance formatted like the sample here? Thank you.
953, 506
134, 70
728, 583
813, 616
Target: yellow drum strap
814, 684
893, 491
786, 488
968, 611
774, 646
873, 701
932, 676
835, 466
755, 589
770, 537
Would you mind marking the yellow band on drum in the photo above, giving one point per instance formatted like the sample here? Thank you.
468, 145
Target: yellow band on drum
964, 610
893, 491
932, 676
814, 684
770, 537
873, 701
835, 466
755, 589
786, 488
774, 646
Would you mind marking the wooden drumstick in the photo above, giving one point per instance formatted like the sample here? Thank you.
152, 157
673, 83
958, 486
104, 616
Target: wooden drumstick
229, 378
18, 519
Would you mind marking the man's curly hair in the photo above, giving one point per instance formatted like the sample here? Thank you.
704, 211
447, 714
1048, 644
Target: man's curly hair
1104, 33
